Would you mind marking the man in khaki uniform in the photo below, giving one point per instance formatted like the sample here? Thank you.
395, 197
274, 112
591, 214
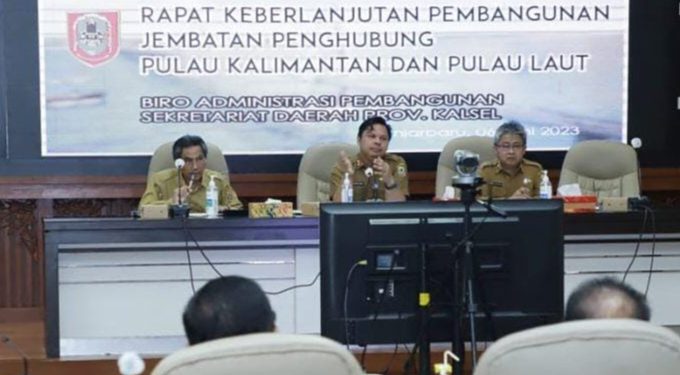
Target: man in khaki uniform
162, 186
374, 174
510, 175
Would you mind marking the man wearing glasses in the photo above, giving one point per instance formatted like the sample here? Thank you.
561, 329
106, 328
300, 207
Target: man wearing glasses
510, 175
162, 186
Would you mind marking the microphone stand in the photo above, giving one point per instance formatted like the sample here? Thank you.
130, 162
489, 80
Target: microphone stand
375, 186
180, 209
374, 183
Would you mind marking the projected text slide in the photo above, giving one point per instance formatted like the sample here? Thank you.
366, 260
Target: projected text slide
274, 77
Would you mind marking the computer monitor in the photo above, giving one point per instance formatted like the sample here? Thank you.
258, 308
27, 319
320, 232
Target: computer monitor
519, 267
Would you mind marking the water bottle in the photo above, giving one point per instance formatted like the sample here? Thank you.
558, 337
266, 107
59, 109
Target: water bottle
347, 194
545, 191
212, 199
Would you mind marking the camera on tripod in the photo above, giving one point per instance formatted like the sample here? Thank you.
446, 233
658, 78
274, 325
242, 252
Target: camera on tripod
465, 164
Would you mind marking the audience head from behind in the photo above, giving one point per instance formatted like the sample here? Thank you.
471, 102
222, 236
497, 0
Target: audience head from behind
606, 298
227, 306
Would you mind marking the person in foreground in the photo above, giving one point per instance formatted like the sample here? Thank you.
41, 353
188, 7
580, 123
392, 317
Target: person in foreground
162, 187
510, 175
606, 298
227, 306
374, 174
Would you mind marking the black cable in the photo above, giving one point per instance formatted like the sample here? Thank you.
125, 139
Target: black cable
284, 290
10, 344
637, 246
345, 298
380, 301
411, 354
388, 367
411, 357
212, 265
200, 249
186, 247
363, 357
651, 262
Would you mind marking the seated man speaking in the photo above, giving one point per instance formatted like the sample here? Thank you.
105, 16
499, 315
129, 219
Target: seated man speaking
374, 174
510, 175
162, 187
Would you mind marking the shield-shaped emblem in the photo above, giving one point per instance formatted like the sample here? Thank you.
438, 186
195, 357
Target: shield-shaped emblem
93, 37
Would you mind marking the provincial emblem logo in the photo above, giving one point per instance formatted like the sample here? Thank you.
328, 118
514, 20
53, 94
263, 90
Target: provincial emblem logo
93, 37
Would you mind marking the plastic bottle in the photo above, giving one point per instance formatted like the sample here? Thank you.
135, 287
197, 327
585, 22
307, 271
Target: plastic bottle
212, 199
347, 194
545, 191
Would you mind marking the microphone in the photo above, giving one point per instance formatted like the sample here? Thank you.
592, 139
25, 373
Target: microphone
373, 181
179, 164
192, 178
636, 143
180, 209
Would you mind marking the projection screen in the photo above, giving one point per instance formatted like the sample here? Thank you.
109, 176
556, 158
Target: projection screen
274, 77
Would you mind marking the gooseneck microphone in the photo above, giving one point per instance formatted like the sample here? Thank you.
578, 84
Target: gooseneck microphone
180, 209
374, 182
179, 164
636, 143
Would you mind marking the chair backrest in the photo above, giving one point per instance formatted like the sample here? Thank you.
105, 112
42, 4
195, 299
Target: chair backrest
594, 346
314, 173
479, 145
602, 168
262, 354
162, 159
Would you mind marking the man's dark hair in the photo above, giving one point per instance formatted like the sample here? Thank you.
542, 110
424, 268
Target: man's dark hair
606, 298
227, 306
370, 122
188, 141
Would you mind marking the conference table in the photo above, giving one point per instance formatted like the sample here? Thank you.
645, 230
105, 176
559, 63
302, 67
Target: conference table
119, 284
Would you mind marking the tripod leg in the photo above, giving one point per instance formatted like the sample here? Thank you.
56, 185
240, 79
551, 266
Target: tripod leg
424, 312
458, 344
470, 298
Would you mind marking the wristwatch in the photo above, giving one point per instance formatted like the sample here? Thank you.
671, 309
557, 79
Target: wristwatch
391, 186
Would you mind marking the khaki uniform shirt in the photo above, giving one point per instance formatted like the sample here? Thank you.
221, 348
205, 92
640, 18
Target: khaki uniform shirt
161, 187
500, 184
362, 188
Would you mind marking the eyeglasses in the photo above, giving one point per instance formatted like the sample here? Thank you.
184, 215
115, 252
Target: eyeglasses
510, 146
